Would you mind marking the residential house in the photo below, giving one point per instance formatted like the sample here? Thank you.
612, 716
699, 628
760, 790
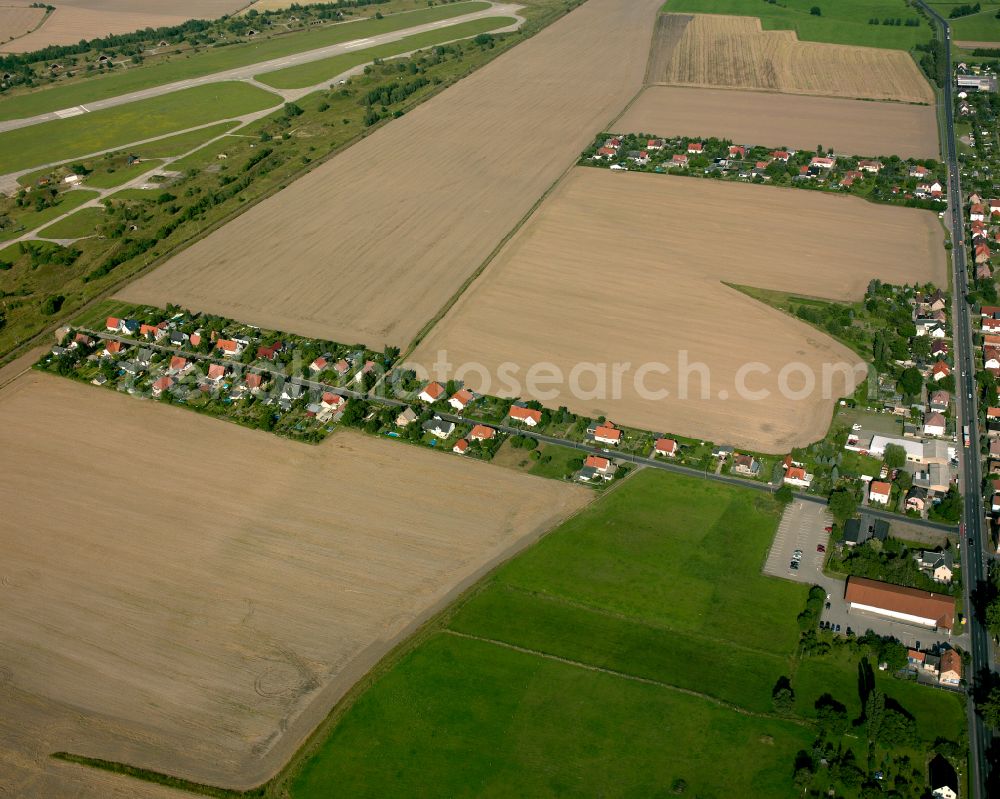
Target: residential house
216, 372
849, 178
746, 464
332, 402
940, 401
858, 531
153, 332
940, 370
781, 155
596, 468
823, 162
129, 327
178, 364
177, 338
432, 392
680, 161
916, 499
655, 144
918, 171
408, 416
951, 668
991, 325
737, 151
934, 424
318, 364
341, 367
367, 369
460, 399
161, 385
695, 148
940, 565
666, 447
256, 381
879, 492
939, 349
870, 166
113, 324
608, 434
982, 253
113, 348
461, 447
977, 213
229, 348
144, 357
482, 433
439, 427
292, 391
797, 476
527, 416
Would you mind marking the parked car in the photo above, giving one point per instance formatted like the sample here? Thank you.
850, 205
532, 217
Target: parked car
797, 554
838, 628
827, 605
828, 529
793, 565
820, 548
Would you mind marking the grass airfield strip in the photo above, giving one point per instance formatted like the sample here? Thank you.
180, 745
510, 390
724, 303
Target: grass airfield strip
317, 71
784, 120
214, 60
64, 139
619, 267
203, 624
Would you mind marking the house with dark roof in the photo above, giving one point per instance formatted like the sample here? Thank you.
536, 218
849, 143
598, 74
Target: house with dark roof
857, 531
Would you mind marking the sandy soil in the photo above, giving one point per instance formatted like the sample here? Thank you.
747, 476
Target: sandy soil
17, 21
74, 20
370, 246
734, 52
856, 127
627, 267
191, 596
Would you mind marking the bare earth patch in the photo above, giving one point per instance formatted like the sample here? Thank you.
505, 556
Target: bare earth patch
74, 20
735, 52
192, 596
370, 246
628, 267
17, 21
856, 127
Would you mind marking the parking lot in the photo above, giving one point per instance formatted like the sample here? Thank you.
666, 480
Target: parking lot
803, 527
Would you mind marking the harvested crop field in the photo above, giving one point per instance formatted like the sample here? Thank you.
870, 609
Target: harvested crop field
74, 20
371, 245
734, 52
628, 268
194, 596
17, 21
857, 127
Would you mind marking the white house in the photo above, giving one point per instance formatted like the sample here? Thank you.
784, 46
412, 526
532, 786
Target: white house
432, 392
666, 447
934, 424
879, 492
797, 476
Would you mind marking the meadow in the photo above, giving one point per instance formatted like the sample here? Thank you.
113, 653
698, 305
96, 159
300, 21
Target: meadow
316, 72
82, 223
67, 201
209, 61
63, 139
635, 646
841, 22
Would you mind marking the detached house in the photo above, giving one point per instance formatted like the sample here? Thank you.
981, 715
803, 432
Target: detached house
666, 447
977, 213
229, 347
162, 385
527, 416
432, 392
940, 565
695, 148
596, 468
746, 464
608, 434
460, 399
951, 668
940, 370
870, 166
797, 476
879, 492
679, 161
934, 424
482, 433
823, 162
439, 427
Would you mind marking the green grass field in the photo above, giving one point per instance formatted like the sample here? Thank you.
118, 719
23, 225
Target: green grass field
214, 60
64, 139
981, 27
67, 202
183, 142
841, 22
82, 223
316, 72
103, 179
635, 645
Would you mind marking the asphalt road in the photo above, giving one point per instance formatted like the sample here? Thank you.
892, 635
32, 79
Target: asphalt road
248, 72
973, 566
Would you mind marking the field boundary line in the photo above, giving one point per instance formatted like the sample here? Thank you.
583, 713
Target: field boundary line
631, 677
612, 614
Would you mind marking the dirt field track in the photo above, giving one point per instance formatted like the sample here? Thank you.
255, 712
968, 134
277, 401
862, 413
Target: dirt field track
74, 20
17, 21
857, 127
370, 246
628, 268
191, 596
734, 52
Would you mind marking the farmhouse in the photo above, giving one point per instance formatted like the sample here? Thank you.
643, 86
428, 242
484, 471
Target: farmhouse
908, 605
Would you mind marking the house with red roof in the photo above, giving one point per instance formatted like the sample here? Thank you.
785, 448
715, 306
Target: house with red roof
319, 364
432, 392
332, 402
229, 347
823, 162
679, 161
178, 364
797, 476
919, 171
112, 348
879, 492
461, 447
255, 381
527, 416
113, 324
870, 166
781, 155
695, 148
940, 370
977, 213
666, 447
268, 352
460, 399
482, 433
596, 468
608, 434
737, 151
161, 385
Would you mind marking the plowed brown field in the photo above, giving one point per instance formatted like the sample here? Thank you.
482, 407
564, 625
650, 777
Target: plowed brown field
74, 20
17, 21
370, 246
858, 127
193, 597
629, 268
734, 52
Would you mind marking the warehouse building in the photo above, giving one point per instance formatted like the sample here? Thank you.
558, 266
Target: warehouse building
908, 605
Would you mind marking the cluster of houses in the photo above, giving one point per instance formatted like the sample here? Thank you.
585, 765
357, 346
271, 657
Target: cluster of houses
944, 669
974, 78
982, 213
748, 162
930, 462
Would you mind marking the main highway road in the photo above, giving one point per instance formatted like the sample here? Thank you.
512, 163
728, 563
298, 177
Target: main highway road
976, 538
